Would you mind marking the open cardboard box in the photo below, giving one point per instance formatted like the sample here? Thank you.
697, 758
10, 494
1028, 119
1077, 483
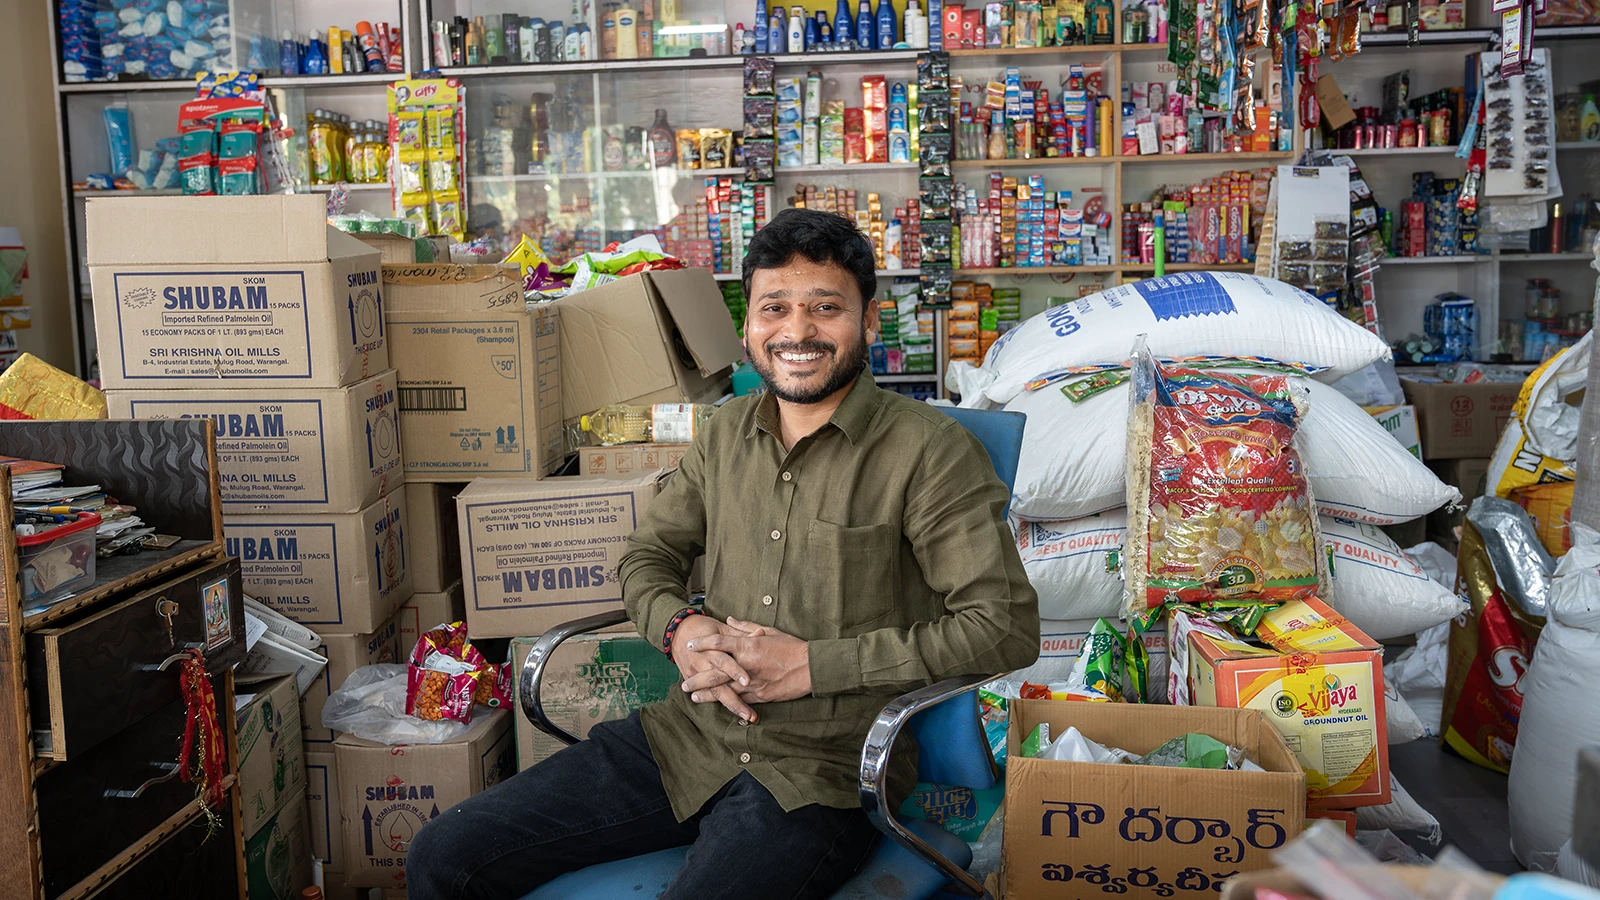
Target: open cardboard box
1148, 830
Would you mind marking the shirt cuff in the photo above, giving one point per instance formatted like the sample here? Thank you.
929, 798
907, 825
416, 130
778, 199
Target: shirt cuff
658, 615
835, 666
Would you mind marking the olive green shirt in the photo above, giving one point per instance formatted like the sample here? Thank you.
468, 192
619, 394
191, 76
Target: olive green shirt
880, 539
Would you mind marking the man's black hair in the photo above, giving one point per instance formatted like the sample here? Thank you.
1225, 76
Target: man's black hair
821, 237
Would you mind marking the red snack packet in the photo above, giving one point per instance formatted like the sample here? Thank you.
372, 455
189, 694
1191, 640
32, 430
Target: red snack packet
446, 675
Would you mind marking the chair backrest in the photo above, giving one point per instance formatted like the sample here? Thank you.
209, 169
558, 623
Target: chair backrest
952, 746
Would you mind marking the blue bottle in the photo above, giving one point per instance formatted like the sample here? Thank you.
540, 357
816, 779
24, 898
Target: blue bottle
886, 25
777, 29
289, 55
761, 26
866, 28
812, 35
844, 28
317, 58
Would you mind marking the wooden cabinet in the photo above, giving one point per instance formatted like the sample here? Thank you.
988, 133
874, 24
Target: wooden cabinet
92, 716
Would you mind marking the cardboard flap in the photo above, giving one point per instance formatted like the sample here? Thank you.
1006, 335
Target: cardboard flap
611, 348
265, 229
695, 303
342, 245
463, 288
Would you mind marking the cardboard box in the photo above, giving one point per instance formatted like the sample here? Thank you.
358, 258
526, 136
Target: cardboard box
655, 337
590, 679
424, 611
1458, 421
538, 553
322, 809
397, 250
272, 768
435, 541
1471, 478
629, 460
1401, 422
254, 291
283, 450
1146, 826
480, 373
1320, 684
341, 573
345, 654
277, 858
387, 796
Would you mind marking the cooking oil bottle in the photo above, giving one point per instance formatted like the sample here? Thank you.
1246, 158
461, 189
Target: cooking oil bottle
663, 423
320, 141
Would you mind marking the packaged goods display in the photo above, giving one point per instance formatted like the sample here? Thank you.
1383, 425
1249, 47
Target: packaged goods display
428, 180
1157, 118
1215, 222
1017, 223
1018, 120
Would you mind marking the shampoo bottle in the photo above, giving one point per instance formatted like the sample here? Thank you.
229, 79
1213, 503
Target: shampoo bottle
1589, 121
866, 28
843, 28
886, 25
761, 26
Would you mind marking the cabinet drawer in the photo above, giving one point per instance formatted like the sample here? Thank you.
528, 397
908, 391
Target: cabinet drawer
196, 862
98, 675
83, 824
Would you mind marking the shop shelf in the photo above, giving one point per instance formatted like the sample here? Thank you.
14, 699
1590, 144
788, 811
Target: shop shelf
1040, 270
1398, 38
1545, 257
328, 188
598, 176
844, 170
1396, 151
906, 378
864, 58
267, 81
1206, 157
1462, 260
153, 192
1578, 145
882, 273
1043, 161
1192, 267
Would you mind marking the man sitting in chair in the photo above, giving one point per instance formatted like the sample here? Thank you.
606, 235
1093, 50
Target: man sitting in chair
855, 549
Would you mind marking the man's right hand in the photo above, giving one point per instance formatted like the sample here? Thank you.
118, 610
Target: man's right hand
692, 663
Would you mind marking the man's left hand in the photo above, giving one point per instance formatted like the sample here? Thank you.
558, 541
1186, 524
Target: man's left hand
779, 664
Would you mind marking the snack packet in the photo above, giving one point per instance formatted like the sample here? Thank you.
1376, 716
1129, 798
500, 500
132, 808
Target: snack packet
1098, 673
1219, 508
447, 676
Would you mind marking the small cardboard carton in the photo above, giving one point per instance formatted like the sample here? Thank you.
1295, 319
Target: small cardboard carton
589, 679
537, 553
322, 808
1143, 831
254, 291
435, 541
655, 337
388, 793
1458, 421
277, 858
283, 450
345, 654
340, 573
424, 611
271, 752
480, 373
629, 460
1320, 683
1400, 421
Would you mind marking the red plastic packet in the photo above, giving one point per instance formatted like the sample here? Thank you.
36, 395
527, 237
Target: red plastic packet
446, 676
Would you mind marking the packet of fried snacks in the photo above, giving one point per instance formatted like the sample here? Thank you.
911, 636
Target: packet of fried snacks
447, 675
1220, 511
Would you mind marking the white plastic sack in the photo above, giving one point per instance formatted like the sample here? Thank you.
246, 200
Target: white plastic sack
1436, 561
1571, 866
1404, 726
1376, 385
1067, 564
1073, 459
1401, 813
371, 704
1419, 673
1560, 708
1185, 314
1378, 588
1540, 444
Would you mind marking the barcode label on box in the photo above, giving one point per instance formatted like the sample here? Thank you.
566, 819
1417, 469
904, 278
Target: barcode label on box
416, 399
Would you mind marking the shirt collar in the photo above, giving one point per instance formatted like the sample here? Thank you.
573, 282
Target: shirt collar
855, 412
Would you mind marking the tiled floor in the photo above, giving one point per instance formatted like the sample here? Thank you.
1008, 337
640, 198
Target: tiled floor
1469, 802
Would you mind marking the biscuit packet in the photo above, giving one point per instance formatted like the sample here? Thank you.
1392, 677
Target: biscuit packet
1220, 512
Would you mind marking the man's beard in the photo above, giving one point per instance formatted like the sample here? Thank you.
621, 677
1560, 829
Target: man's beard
842, 372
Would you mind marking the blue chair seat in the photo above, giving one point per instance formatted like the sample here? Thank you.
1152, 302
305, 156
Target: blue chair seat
893, 873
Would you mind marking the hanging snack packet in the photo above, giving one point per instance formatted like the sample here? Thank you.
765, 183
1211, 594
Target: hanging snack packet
1219, 507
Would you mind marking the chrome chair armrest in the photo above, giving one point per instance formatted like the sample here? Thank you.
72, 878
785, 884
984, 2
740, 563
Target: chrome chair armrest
531, 678
875, 772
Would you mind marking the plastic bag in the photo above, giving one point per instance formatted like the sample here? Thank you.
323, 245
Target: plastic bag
1072, 746
1219, 507
371, 704
1535, 460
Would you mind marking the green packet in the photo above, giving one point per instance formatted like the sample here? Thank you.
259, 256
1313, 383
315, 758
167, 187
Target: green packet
1191, 751
1034, 743
959, 810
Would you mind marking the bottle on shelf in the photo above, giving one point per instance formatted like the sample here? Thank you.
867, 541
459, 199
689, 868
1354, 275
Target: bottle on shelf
316, 62
762, 42
844, 27
627, 38
663, 147
866, 27
886, 36
778, 32
289, 54
1589, 121
665, 423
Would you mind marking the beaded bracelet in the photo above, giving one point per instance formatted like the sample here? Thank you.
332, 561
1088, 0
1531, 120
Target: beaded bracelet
672, 628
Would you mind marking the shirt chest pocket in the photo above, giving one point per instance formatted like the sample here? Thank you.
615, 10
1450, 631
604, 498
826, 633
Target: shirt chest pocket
854, 571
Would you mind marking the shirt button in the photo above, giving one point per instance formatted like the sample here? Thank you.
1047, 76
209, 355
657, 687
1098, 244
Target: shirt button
788, 476
767, 600
744, 757
776, 534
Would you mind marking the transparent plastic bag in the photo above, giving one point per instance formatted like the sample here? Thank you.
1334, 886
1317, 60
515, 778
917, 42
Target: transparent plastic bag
371, 704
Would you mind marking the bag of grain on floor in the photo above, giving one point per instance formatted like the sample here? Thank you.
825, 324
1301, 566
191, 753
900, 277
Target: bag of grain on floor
1220, 510
1535, 461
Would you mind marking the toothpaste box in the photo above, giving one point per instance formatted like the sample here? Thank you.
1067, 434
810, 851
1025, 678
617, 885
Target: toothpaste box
339, 573
194, 292
281, 450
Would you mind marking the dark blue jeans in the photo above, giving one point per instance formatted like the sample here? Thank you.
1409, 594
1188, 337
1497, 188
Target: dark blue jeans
602, 800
